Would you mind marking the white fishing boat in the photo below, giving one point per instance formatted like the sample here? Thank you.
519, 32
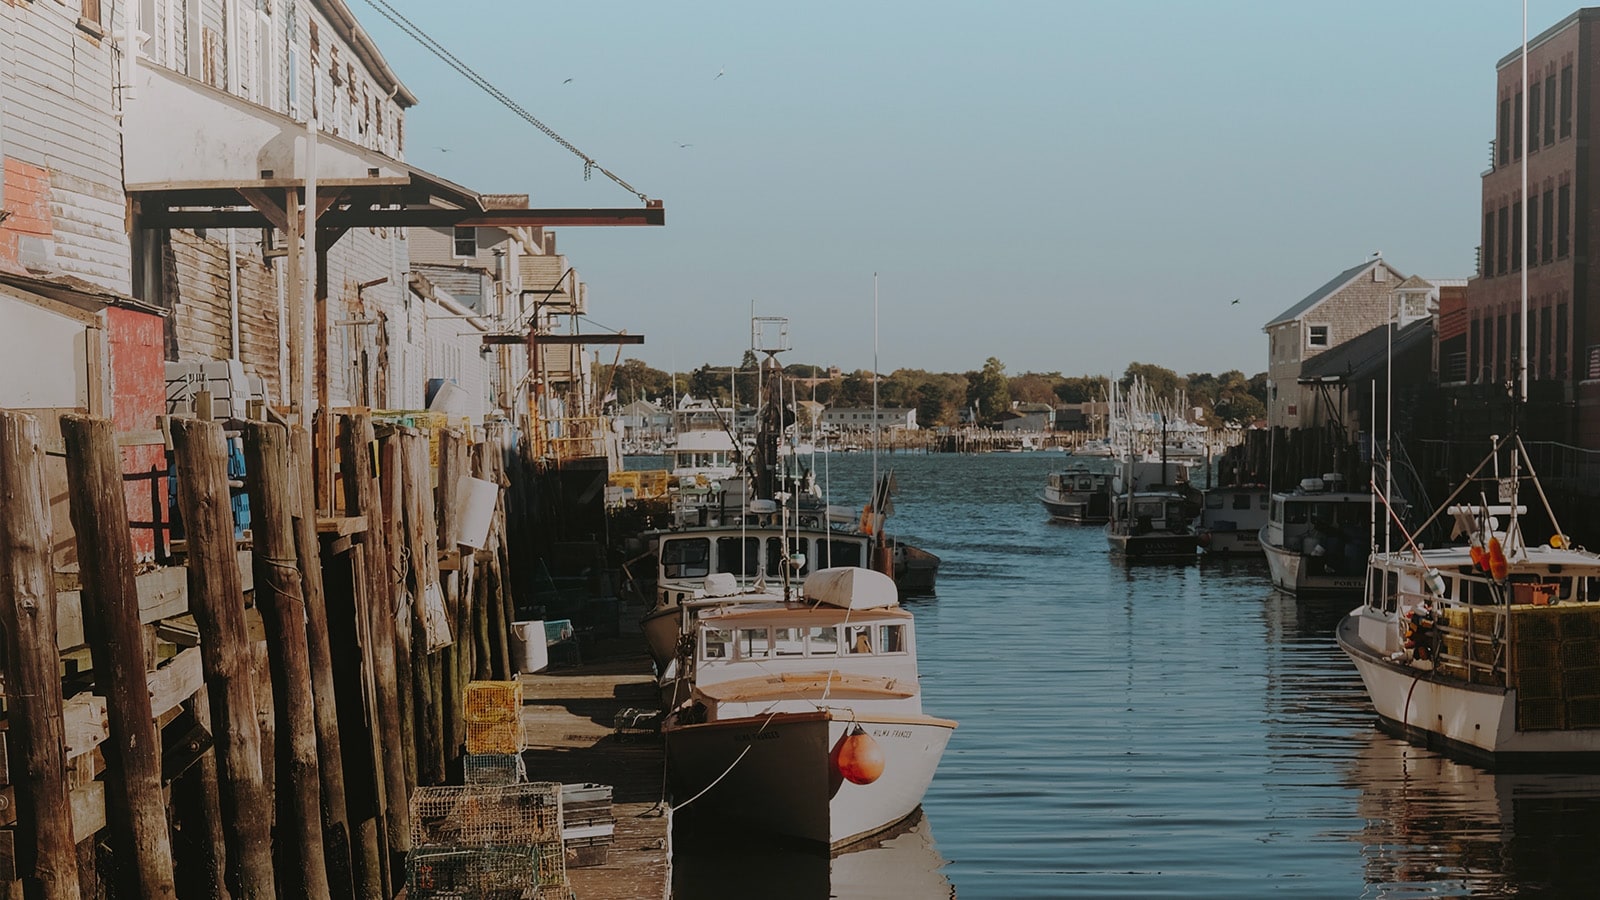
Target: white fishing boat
1485, 648
801, 712
1317, 537
1077, 494
1231, 519
1151, 526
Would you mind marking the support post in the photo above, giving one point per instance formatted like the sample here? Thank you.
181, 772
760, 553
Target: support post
47, 856
281, 601
216, 599
115, 635
393, 577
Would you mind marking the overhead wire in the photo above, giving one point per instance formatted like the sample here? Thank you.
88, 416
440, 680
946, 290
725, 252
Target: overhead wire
590, 165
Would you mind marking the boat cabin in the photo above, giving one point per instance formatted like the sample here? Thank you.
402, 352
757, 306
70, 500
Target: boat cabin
756, 551
1149, 511
1330, 525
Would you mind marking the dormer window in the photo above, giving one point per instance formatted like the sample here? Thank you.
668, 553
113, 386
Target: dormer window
1317, 337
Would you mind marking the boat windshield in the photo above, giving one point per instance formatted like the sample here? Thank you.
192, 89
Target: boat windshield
756, 642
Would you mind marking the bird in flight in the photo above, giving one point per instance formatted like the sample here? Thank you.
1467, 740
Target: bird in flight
1235, 302
442, 149
568, 81
720, 72
684, 146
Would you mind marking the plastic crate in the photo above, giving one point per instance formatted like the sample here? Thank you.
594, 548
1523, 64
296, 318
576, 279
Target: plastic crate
478, 815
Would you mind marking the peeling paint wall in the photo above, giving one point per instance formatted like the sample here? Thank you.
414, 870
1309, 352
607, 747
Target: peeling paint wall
138, 392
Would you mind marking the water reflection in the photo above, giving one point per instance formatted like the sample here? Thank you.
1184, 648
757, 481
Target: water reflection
1434, 827
713, 862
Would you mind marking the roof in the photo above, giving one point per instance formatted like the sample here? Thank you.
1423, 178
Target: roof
72, 291
1415, 283
345, 25
1589, 13
1334, 285
1361, 357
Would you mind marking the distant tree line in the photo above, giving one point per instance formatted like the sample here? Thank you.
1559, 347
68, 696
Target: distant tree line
939, 397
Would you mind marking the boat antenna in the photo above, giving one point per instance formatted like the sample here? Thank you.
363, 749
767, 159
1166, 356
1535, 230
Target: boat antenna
877, 427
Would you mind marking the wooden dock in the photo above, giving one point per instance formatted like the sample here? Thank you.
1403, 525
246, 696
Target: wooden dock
568, 717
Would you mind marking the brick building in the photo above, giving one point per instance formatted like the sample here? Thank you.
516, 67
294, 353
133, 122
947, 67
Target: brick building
1559, 100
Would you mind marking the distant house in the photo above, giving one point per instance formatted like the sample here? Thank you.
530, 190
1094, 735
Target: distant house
859, 418
1027, 417
1351, 303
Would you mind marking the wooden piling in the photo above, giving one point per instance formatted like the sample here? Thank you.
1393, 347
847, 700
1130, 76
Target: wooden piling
111, 625
281, 601
47, 856
455, 658
426, 670
356, 445
216, 599
336, 831
200, 849
393, 576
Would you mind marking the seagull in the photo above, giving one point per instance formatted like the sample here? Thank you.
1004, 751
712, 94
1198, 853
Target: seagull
442, 149
684, 146
1235, 302
568, 81
720, 73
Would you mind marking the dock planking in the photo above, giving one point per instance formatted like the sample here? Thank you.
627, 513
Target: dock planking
567, 717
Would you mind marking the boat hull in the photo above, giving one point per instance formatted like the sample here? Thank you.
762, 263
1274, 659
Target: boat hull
1231, 543
1153, 547
777, 774
1292, 574
1474, 722
1081, 511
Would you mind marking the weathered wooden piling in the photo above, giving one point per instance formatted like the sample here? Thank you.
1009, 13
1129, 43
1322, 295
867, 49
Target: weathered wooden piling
115, 635
336, 830
456, 658
281, 602
426, 670
357, 449
47, 856
397, 556
200, 848
217, 601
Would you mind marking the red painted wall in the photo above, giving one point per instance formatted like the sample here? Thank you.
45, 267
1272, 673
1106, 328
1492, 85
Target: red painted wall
138, 397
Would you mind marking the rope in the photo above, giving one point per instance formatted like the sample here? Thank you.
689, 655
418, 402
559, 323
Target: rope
412, 29
730, 767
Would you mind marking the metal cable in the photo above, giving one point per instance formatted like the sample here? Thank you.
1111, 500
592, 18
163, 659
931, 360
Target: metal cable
406, 25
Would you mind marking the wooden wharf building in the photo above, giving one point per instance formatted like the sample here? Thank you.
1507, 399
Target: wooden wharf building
196, 706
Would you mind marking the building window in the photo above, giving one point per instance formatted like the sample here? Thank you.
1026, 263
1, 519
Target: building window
1566, 102
1534, 108
1533, 231
1317, 337
1475, 347
1504, 145
1488, 244
1502, 258
1547, 231
1546, 364
1561, 340
1516, 236
1293, 410
466, 243
1550, 110
1516, 117
1563, 220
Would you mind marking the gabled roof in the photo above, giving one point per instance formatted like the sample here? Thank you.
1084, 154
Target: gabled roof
1336, 284
1414, 283
1363, 356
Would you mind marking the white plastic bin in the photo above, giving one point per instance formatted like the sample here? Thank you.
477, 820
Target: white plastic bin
534, 653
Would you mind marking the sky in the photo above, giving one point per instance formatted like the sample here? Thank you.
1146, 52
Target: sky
1065, 186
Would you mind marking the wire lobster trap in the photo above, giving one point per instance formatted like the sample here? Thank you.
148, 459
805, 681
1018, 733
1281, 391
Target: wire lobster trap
493, 769
494, 717
486, 815
473, 874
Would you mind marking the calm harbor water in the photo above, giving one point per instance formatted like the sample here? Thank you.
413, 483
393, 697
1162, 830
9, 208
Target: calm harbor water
1177, 731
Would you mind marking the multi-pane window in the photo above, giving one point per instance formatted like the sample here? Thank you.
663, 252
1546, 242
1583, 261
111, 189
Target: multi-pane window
1547, 231
1566, 102
1502, 256
1516, 236
1516, 117
1533, 230
1561, 340
1563, 221
1550, 110
1533, 117
1317, 336
1487, 254
466, 242
1503, 147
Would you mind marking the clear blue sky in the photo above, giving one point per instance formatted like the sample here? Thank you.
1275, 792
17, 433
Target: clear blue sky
1066, 186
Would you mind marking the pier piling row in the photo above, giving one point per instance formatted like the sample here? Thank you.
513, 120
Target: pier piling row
253, 717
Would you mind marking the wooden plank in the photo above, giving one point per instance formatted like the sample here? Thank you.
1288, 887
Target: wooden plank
163, 594
170, 685
341, 525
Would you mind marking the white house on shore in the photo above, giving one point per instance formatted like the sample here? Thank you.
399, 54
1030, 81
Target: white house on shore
852, 418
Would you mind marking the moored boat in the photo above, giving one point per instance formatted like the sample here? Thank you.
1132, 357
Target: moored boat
1231, 519
1317, 537
1485, 648
802, 713
1078, 495
1151, 526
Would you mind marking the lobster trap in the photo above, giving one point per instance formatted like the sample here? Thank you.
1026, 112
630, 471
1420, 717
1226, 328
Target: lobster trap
494, 717
486, 815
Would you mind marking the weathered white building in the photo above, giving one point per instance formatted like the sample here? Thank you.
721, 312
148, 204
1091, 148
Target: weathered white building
865, 418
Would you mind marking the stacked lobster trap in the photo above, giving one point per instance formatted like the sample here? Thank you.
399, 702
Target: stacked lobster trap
498, 835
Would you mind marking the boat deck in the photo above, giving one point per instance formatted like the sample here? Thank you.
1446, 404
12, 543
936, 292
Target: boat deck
569, 727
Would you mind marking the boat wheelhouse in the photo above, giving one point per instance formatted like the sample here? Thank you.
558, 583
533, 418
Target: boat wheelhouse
1231, 519
801, 713
1151, 526
1078, 495
1317, 537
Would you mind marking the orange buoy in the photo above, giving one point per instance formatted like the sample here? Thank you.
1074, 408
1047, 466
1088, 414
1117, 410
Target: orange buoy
858, 757
1498, 566
1480, 556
